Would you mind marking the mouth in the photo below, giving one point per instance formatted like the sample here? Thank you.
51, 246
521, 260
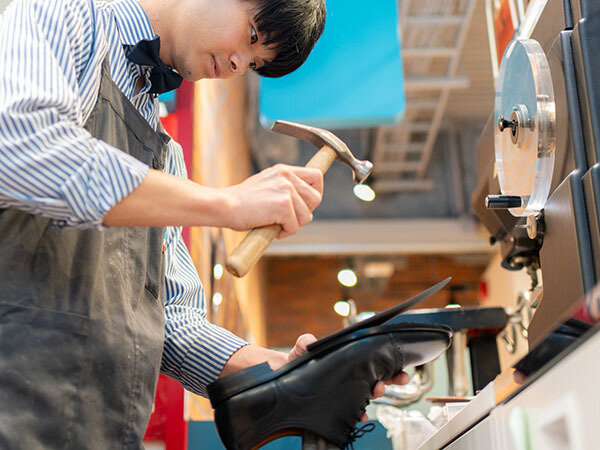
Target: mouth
215, 72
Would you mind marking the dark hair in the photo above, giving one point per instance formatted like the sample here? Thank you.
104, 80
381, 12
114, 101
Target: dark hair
292, 28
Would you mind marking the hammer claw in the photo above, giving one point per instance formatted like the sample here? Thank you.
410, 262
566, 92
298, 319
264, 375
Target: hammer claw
319, 137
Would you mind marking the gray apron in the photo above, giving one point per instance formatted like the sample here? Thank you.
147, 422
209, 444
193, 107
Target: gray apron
81, 314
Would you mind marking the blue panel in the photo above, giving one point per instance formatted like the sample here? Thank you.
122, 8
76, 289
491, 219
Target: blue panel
203, 436
353, 77
167, 96
169, 99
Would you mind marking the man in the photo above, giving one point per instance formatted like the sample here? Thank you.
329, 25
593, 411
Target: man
88, 180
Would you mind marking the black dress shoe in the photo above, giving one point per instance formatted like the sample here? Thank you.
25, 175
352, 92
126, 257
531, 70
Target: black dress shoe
324, 391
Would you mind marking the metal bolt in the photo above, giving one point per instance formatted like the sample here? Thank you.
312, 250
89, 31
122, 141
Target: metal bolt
503, 124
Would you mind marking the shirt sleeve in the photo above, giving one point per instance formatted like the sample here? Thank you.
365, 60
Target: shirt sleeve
49, 164
195, 350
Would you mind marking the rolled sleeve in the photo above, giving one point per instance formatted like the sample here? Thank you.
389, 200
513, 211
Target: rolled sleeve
49, 164
102, 181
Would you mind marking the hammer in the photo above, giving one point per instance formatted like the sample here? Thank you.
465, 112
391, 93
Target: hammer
245, 255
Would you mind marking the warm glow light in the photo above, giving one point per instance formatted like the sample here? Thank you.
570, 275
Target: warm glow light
364, 192
217, 298
218, 271
347, 277
342, 308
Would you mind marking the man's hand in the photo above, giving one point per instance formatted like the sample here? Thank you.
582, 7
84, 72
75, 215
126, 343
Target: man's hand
378, 391
282, 194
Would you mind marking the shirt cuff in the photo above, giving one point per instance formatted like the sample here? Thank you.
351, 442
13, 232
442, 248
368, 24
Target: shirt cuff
204, 359
106, 177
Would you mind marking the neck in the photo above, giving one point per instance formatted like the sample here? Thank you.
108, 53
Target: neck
160, 15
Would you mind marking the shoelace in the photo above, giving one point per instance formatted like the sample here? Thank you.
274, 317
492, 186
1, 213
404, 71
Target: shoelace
358, 433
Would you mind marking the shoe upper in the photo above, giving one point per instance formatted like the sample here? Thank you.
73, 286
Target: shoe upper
326, 391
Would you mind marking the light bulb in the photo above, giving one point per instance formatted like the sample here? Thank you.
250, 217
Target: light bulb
218, 271
347, 277
364, 192
342, 308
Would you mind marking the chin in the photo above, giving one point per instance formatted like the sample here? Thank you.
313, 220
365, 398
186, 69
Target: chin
189, 76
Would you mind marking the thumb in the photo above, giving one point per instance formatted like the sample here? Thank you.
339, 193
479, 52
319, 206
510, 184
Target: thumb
302, 343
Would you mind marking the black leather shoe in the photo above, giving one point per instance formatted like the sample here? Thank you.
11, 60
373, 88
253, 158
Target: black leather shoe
326, 390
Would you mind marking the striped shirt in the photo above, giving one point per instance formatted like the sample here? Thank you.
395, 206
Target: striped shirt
52, 53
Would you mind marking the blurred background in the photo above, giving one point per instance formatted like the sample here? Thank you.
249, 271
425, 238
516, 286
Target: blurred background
410, 228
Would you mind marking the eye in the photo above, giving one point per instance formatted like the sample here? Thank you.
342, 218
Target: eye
253, 36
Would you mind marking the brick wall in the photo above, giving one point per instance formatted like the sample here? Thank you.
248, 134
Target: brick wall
300, 291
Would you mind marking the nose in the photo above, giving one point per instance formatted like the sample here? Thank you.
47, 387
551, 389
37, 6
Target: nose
239, 63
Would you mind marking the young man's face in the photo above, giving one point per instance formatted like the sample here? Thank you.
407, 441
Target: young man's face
215, 39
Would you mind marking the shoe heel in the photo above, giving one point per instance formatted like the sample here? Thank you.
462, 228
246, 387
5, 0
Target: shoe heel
248, 420
237, 382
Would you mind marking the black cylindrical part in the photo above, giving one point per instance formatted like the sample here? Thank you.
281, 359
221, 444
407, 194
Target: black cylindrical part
503, 201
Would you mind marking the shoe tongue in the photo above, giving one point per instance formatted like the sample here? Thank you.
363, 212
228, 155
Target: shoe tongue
384, 316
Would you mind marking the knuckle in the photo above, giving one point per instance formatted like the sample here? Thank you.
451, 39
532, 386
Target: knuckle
317, 200
282, 169
289, 186
317, 175
307, 219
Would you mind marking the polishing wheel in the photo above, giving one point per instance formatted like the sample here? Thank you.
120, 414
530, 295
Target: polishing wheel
525, 121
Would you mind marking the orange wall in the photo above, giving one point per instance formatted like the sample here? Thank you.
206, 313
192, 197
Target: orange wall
221, 158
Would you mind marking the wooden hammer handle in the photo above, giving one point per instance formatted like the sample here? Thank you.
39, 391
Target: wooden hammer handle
249, 251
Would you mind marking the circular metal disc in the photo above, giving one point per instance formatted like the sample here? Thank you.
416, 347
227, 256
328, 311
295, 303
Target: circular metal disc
525, 118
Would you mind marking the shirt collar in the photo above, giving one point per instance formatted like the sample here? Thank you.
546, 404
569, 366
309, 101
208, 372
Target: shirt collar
132, 21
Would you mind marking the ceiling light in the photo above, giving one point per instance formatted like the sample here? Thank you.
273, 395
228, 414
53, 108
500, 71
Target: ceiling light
342, 308
347, 277
218, 271
364, 192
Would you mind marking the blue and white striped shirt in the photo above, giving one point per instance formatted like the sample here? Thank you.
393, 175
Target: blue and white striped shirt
52, 53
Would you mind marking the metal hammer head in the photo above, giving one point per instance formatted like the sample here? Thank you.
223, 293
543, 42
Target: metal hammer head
319, 137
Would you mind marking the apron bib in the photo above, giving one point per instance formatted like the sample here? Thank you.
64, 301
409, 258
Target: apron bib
81, 313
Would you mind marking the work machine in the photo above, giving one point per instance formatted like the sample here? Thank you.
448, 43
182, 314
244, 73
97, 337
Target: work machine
538, 158
538, 196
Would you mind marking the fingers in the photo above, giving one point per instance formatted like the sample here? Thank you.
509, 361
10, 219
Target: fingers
308, 183
399, 378
301, 345
282, 194
300, 215
312, 177
378, 390
306, 186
